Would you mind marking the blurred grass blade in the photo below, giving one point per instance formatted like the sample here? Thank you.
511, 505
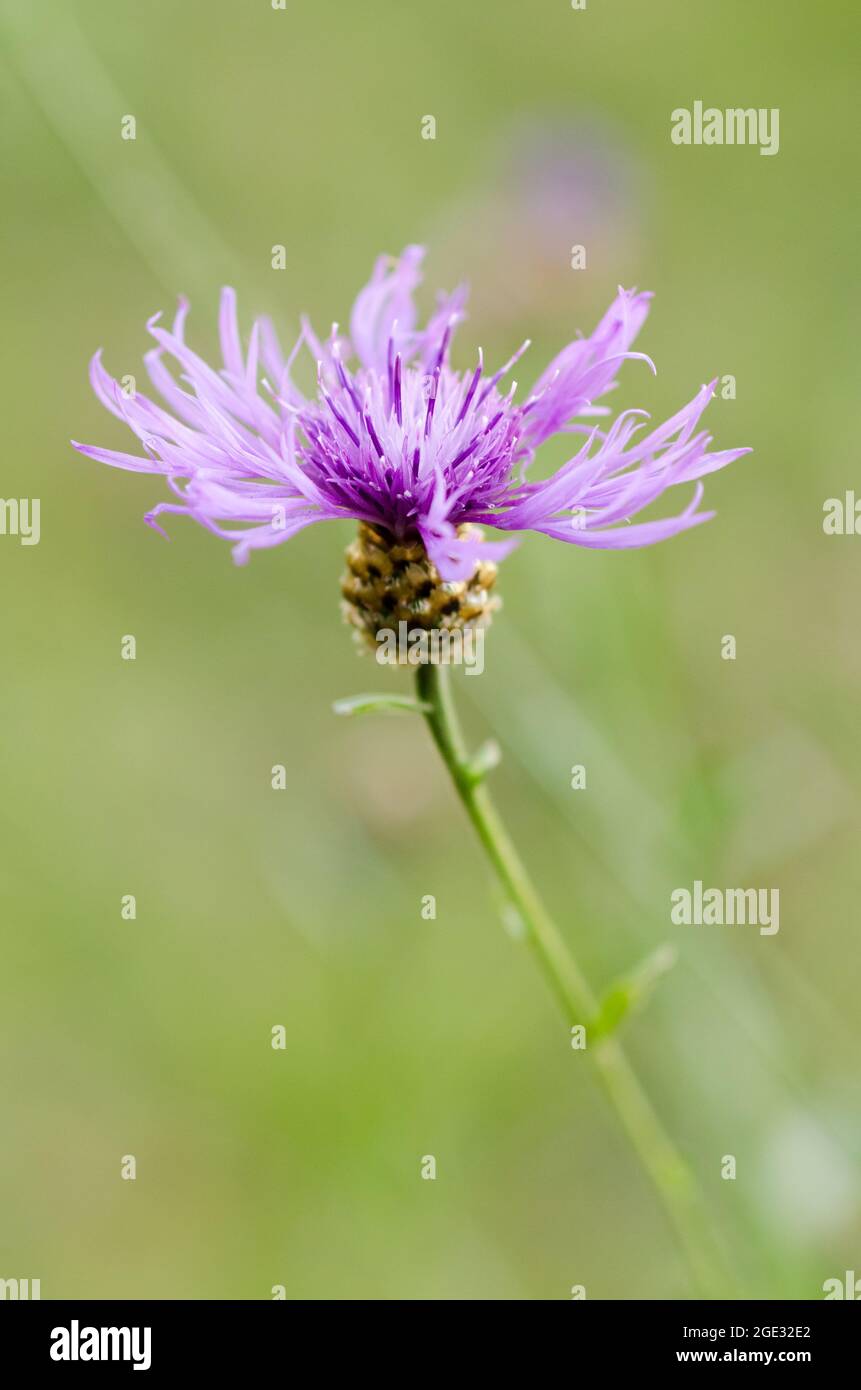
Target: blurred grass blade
82, 100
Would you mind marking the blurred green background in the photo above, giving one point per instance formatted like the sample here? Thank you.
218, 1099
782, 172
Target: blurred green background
407, 1037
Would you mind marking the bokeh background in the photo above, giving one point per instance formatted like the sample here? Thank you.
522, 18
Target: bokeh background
409, 1037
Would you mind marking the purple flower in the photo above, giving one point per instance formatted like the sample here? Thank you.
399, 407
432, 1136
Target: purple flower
395, 437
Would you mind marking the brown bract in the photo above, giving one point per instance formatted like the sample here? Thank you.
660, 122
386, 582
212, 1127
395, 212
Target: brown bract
388, 582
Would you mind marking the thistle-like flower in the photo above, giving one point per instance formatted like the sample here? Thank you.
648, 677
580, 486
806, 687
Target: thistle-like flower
423, 457
395, 438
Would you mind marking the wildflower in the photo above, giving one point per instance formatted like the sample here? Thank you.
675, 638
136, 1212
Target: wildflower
420, 454
422, 457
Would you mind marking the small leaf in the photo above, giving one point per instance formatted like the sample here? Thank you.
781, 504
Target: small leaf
371, 704
629, 993
487, 757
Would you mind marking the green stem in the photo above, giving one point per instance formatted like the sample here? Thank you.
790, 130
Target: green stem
660, 1158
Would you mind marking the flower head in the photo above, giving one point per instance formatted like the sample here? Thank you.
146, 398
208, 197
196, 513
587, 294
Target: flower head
396, 438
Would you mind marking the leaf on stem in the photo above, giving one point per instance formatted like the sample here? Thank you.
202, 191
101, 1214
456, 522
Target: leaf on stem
630, 993
484, 760
372, 704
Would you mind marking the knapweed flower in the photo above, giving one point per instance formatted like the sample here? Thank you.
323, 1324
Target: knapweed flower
423, 456
420, 454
